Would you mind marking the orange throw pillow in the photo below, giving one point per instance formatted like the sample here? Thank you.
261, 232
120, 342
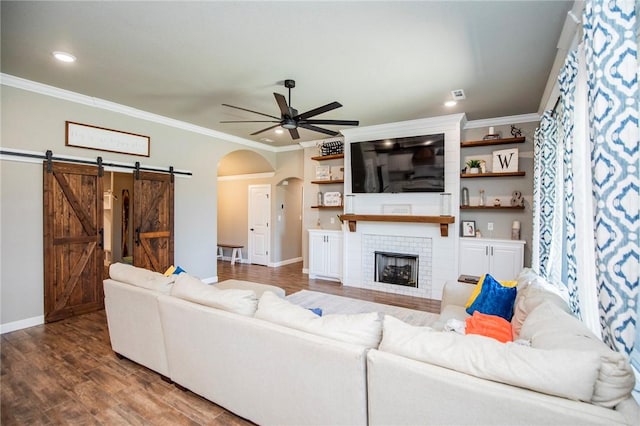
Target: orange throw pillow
489, 325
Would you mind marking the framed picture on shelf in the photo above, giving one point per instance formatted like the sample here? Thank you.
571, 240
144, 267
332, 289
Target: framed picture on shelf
468, 228
323, 172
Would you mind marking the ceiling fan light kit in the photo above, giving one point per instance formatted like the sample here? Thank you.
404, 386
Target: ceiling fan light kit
290, 119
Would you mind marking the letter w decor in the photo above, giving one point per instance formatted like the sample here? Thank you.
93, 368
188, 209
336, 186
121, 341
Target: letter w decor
505, 160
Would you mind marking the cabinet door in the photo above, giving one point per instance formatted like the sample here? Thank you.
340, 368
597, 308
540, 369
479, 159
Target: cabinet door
316, 254
474, 258
334, 255
506, 260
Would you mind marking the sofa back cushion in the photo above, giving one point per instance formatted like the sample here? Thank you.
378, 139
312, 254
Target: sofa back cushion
566, 373
141, 277
243, 302
530, 298
550, 327
359, 329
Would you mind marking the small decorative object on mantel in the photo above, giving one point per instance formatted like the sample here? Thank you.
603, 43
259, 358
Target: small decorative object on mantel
445, 204
465, 196
473, 166
505, 160
323, 172
332, 199
492, 135
468, 228
496, 202
481, 202
517, 200
515, 132
331, 148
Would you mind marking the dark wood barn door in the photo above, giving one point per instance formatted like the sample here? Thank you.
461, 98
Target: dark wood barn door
153, 220
73, 252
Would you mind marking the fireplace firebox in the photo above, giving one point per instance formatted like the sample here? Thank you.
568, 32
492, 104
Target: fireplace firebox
396, 268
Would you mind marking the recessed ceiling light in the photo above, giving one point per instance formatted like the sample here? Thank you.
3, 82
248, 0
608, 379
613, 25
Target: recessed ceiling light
279, 131
64, 56
450, 103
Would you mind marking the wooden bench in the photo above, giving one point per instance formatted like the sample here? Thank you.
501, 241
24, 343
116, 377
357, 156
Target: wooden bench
236, 252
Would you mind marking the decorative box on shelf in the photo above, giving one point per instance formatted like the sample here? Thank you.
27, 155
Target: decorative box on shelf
331, 148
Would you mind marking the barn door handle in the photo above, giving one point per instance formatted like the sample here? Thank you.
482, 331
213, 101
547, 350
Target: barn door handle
101, 233
137, 236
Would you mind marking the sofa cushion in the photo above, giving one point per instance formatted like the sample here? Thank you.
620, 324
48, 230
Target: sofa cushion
359, 329
530, 298
243, 302
259, 288
566, 373
493, 298
550, 327
490, 326
141, 277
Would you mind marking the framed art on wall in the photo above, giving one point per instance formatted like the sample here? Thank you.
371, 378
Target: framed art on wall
94, 137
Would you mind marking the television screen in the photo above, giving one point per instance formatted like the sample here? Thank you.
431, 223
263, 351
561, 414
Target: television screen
412, 164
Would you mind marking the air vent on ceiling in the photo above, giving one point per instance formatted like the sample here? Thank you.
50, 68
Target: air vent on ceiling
458, 94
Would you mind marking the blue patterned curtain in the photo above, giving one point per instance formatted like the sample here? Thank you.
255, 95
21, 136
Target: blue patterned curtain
586, 178
612, 68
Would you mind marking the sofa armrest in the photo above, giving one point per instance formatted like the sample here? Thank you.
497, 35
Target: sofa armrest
456, 293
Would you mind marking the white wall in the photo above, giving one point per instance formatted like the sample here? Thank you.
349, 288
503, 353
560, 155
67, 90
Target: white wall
36, 122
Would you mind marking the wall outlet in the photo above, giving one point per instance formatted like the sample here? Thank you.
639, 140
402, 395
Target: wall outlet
333, 220
490, 226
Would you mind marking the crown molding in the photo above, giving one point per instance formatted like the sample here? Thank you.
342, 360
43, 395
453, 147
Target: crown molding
44, 89
500, 121
264, 175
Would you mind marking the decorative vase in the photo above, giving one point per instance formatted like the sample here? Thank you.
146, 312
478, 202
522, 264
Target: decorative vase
474, 170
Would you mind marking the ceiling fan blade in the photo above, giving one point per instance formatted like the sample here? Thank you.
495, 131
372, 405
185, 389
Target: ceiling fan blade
317, 129
250, 121
334, 122
294, 133
282, 103
264, 130
248, 110
319, 110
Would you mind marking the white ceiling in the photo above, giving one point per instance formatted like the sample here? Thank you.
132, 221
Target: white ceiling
385, 61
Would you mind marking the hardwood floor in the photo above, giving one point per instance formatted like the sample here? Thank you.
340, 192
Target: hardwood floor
66, 373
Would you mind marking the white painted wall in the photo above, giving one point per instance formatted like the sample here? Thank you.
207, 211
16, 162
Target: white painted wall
36, 122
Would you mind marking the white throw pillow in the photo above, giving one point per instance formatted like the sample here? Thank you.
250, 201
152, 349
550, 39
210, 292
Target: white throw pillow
359, 329
565, 373
243, 302
549, 327
141, 277
527, 300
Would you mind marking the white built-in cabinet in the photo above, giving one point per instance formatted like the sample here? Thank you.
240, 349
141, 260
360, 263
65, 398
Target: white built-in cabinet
325, 254
503, 259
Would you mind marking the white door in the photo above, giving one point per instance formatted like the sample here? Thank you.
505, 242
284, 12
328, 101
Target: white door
317, 261
259, 219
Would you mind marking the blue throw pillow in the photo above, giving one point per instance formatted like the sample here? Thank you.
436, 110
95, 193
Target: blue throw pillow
317, 311
494, 299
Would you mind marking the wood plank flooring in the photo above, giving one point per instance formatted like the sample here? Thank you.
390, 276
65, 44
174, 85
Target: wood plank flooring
66, 373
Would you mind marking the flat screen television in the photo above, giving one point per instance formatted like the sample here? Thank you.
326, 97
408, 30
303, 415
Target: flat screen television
411, 164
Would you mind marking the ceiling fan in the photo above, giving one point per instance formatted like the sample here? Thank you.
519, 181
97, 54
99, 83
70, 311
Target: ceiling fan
290, 119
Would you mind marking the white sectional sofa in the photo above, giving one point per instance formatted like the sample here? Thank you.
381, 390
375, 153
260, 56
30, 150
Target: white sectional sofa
272, 362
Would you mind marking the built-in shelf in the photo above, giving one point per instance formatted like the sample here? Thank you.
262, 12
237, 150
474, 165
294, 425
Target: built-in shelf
324, 182
483, 175
469, 144
491, 207
326, 207
328, 157
443, 221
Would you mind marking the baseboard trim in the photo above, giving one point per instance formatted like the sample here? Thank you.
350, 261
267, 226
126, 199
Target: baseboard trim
285, 262
210, 280
19, 325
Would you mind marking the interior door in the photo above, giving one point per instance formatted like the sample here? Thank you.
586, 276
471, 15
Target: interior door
259, 218
153, 220
73, 239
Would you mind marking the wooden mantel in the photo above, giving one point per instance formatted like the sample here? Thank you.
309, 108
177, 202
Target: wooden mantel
444, 221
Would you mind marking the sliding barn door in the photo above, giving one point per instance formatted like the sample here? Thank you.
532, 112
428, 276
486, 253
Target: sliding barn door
73, 238
153, 221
